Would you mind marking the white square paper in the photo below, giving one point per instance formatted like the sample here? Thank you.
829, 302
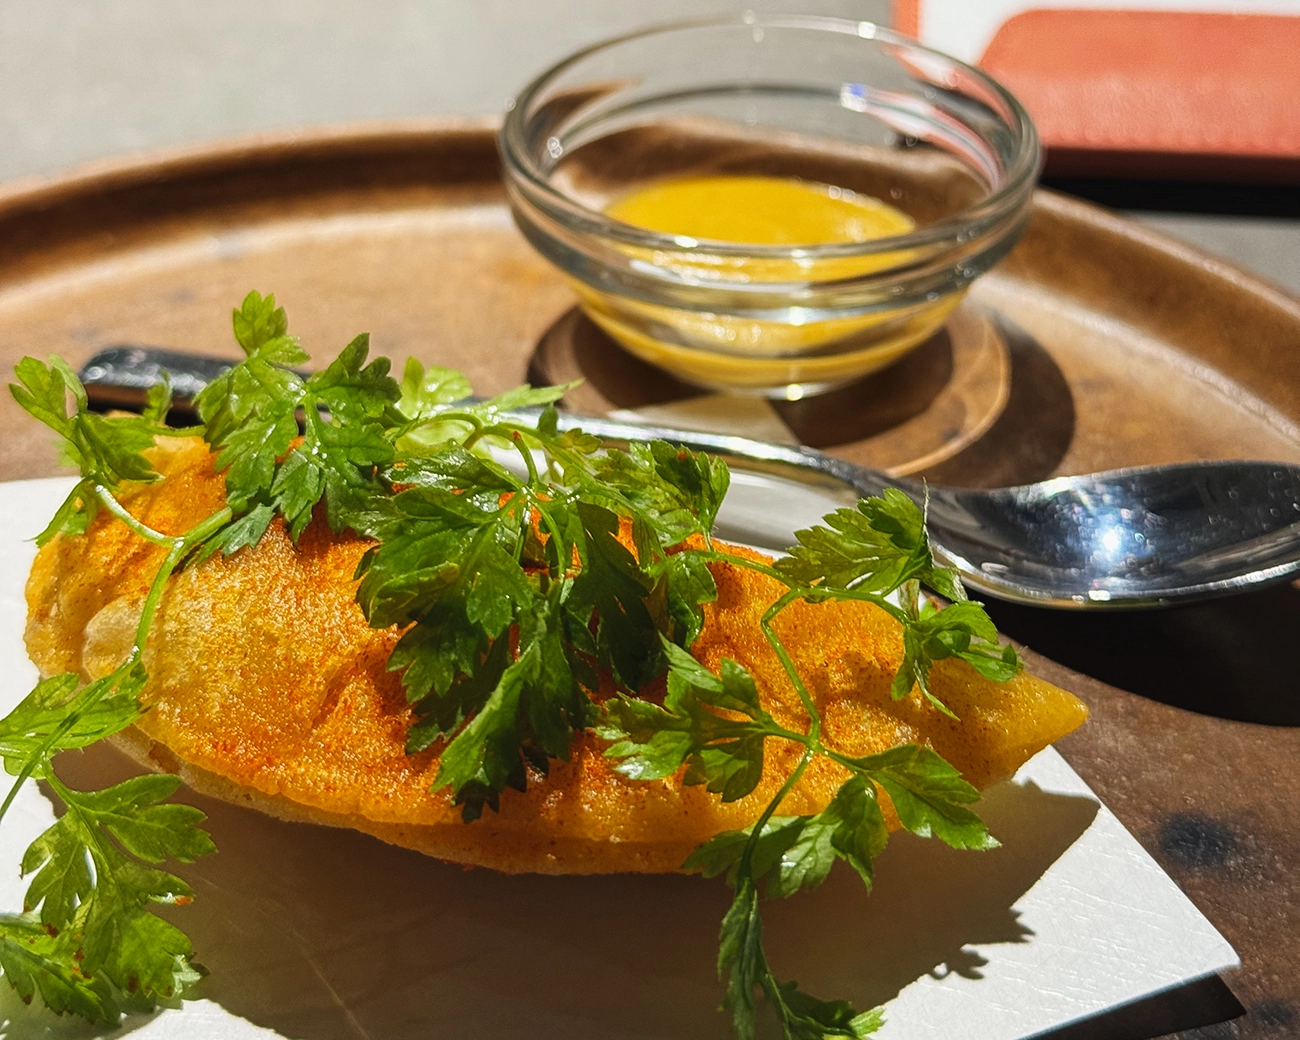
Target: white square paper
319, 934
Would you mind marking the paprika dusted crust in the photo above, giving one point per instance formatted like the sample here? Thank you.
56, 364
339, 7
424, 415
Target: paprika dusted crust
267, 687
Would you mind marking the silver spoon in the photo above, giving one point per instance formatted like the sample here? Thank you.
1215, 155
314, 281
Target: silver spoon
1142, 537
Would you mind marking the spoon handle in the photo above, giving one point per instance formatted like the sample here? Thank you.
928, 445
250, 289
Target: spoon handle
120, 377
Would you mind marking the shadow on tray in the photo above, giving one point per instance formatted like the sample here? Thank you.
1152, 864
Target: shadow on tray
321, 934
1233, 658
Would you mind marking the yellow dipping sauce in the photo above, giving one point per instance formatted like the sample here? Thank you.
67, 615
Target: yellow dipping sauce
738, 352
761, 211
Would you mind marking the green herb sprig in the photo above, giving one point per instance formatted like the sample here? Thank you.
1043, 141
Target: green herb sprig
522, 586
714, 729
85, 939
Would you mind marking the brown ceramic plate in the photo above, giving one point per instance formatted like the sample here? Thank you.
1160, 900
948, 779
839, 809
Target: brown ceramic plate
1124, 348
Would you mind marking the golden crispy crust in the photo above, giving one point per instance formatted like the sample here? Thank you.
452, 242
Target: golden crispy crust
268, 687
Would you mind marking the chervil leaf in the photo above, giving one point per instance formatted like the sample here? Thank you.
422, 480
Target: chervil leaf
874, 548
91, 892
929, 795
353, 390
34, 961
612, 581
250, 412
445, 563
141, 954
431, 655
524, 397
43, 392
741, 961
158, 400
798, 851
677, 491
484, 756
722, 853
73, 515
104, 707
555, 704
62, 880
135, 814
241, 533
688, 586
857, 826
650, 742
440, 714
108, 450
851, 827
149, 958
806, 1018
335, 460
725, 754
430, 553
259, 321
808, 860
531, 714
961, 630
426, 391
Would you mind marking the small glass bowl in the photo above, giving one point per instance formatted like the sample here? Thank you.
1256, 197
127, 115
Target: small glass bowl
826, 101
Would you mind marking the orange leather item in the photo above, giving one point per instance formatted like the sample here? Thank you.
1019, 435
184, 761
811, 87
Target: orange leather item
1165, 93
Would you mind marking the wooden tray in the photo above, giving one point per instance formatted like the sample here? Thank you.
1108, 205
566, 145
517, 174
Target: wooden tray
1124, 348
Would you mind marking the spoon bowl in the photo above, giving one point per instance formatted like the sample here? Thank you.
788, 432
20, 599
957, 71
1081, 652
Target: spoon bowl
1148, 536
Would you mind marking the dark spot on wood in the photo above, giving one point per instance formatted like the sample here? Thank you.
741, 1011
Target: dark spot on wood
1198, 841
1276, 1014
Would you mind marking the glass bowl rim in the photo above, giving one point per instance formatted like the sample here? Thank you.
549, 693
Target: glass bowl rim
992, 209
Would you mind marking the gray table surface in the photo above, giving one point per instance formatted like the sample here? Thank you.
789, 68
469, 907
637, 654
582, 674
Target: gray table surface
82, 80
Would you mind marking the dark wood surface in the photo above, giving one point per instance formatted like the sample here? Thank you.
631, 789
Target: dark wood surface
1124, 349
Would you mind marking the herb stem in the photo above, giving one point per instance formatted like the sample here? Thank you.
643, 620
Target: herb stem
517, 439
179, 548
553, 529
24, 774
746, 859
787, 662
146, 532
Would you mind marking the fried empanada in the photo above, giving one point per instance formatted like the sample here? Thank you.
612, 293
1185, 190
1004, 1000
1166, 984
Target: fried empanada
267, 687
